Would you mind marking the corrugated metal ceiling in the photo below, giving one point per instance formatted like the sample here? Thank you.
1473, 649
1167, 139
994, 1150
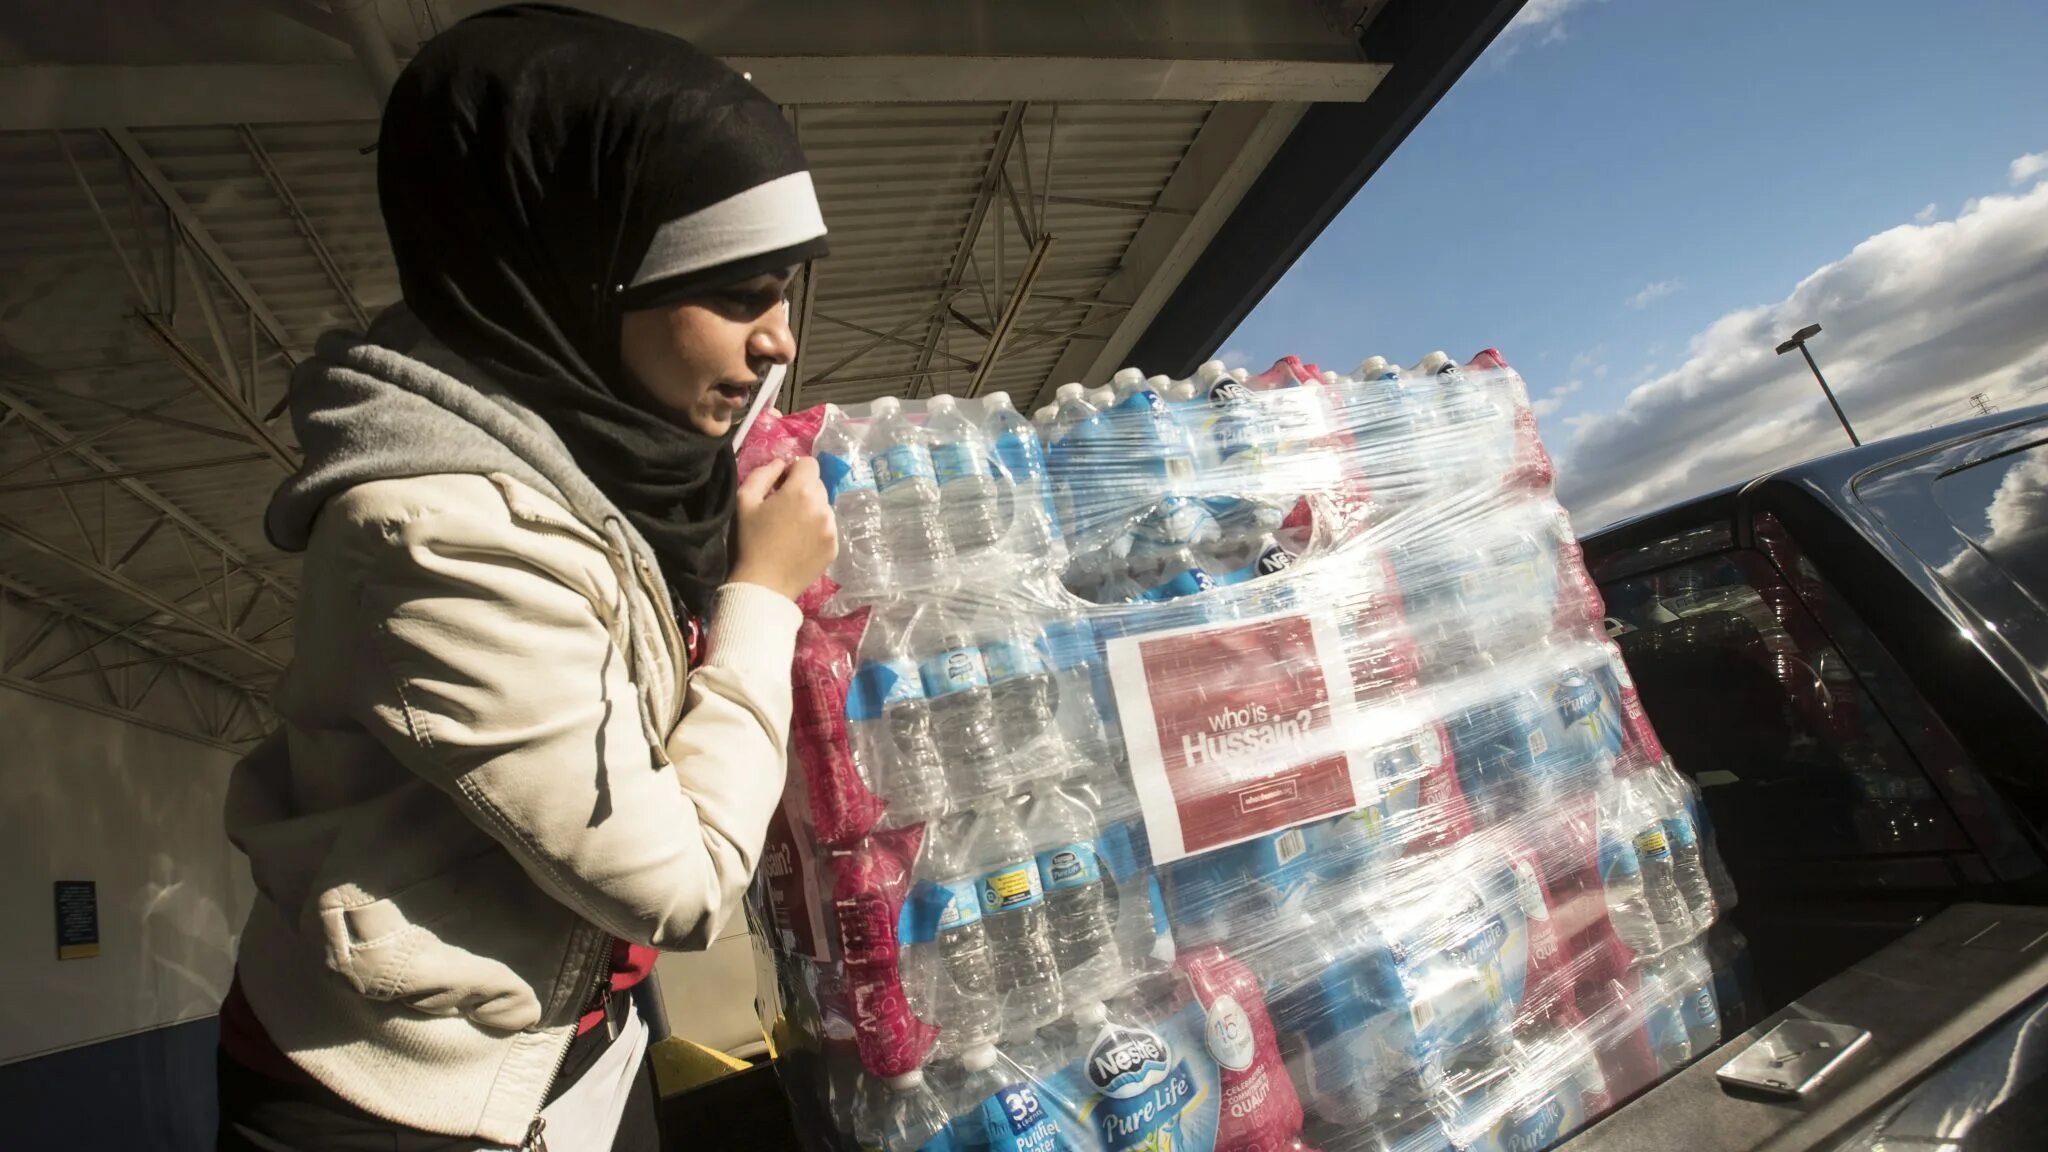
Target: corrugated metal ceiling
104, 339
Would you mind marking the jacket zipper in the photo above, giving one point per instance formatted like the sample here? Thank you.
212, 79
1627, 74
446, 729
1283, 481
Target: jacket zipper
536, 1131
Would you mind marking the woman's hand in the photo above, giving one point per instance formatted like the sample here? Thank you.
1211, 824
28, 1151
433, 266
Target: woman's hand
786, 533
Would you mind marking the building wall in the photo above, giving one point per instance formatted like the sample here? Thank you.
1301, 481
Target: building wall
117, 1047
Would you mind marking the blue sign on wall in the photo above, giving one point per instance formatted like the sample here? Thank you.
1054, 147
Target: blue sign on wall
78, 920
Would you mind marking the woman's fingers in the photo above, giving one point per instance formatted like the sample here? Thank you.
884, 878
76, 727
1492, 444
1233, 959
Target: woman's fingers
761, 481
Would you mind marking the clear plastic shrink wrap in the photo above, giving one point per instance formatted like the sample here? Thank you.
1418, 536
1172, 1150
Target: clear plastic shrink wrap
1238, 767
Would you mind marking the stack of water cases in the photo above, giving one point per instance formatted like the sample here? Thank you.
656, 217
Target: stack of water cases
1224, 764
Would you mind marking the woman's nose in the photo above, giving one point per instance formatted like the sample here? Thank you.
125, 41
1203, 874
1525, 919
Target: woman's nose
772, 340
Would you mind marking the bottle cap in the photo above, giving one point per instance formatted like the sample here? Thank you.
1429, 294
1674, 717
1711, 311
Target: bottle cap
1102, 397
1431, 364
1330, 378
1073, 391
941, 403
980, 1058
1046, 415
1241, 375
905, 1082
1159, 384
995, 400
1126, 377
1372, 367
1093, 1014
886, 406
1211, 371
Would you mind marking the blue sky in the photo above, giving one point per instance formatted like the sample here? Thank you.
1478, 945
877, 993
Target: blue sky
1621, 190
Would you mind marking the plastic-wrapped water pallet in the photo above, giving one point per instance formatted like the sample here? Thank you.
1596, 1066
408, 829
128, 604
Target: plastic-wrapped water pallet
1236, 767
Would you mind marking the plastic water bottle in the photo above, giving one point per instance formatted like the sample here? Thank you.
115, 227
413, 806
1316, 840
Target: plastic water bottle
1693, 976
900, 456
970, 504
1674, 801
1126, 381
1663, 1017
912, 1119
1071, 658
1071, 407
1660, 877
1163, 554
1154, 452
889, 721
997, 1107
1021, 687
1013, 908
1102, 397
1023, 457
1237, 431
955, 681
1144, 937
1621, 875
953, 971
1079, 895
863, 563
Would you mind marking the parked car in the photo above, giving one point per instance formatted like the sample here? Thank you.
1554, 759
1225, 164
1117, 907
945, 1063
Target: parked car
1850, 658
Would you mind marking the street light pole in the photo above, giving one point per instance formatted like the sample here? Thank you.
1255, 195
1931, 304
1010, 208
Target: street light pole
1798, 341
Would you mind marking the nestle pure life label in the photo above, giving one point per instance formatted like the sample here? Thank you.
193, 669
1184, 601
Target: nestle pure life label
1145, 1087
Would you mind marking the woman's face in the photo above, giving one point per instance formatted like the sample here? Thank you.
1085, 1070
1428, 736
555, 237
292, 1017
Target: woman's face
701, 359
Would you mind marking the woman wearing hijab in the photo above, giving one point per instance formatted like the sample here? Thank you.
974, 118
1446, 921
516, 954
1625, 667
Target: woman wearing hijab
512, 764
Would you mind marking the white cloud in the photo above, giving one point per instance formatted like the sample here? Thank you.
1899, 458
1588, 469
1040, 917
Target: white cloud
1235, 358
2027, 167
1916, 318
1539, 22
1926, 214
1551, 401
1654, 291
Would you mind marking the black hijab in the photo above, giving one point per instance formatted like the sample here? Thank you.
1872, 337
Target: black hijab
542, 172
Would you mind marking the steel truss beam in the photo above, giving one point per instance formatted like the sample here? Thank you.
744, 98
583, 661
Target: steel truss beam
59, 659
991, 180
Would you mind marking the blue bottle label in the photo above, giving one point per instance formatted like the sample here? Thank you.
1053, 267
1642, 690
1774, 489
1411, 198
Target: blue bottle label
961, 907
1013, 1120
1006, 660
844, 474
880, 683
1116, 851
1618, 860
954, 670
933, 907
1011, 889
1667, 1035
1020, 454
1186, 584
1156, 896
1680, 832
1702, 1013
1069, 866
951, 462
901, 462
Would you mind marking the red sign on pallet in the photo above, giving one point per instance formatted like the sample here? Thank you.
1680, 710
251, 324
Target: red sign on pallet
1236, 730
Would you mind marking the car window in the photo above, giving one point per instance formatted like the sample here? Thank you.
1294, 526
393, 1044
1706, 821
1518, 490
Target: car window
1754, 700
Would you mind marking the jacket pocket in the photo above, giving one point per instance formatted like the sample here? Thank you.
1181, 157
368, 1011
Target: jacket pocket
441, 947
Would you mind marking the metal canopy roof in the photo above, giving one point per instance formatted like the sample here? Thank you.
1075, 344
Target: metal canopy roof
1015, 193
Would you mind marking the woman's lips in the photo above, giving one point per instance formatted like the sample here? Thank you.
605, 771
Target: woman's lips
736, 394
